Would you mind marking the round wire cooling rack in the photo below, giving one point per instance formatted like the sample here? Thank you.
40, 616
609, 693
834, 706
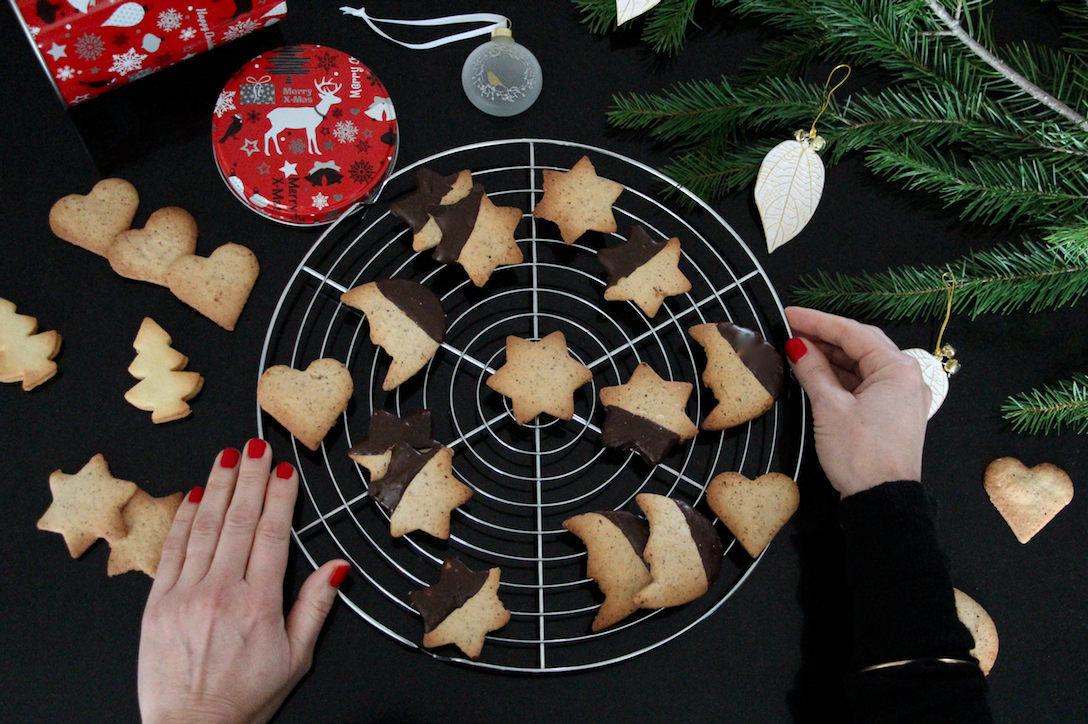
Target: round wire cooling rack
525, 479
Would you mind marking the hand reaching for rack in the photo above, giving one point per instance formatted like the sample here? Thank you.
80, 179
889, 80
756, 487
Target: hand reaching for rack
214, 645
869, 402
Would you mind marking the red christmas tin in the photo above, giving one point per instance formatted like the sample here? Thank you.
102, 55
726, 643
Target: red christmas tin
303, 132
88, 47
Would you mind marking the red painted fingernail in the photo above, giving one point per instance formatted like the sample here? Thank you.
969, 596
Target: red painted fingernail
256, 448
795, 349
229, 458
284, 471
338, 576
196, 494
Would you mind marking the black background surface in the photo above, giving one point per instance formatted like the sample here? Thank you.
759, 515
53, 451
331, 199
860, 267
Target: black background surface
775, 652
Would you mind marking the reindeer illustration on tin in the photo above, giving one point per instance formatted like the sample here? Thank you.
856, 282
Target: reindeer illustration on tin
307, 117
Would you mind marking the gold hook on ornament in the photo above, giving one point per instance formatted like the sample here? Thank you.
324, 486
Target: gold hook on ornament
947, 354
827, 94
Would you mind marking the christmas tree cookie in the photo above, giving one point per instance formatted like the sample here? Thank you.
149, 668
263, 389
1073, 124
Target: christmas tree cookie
164, 387
25, 356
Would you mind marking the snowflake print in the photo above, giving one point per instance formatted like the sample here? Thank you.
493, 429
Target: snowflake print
346, 132
187, 34
65, 73
35, 30
253, 116
337, 113
297, 145
320, 201
128, 62
361, 172
120, 40
363, 146
170, 20
225, 103
245, 27
90, 46
326, 61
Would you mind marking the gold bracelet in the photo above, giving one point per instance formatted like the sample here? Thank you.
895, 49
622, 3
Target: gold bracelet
904, 662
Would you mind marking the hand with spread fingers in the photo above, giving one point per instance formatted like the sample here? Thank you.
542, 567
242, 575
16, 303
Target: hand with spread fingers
215, 646
869, 401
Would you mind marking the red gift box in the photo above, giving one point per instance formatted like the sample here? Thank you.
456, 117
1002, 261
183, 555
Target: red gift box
88, 47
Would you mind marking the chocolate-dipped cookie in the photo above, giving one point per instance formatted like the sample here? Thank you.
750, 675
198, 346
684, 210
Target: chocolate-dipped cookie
419, 491
615, 541
743, 371
374, 451
406, 320
432, 189
646, 415
461, 608
643, 271
477, 235
684, 552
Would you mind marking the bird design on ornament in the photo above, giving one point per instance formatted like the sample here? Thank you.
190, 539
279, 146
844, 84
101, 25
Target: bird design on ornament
233, 129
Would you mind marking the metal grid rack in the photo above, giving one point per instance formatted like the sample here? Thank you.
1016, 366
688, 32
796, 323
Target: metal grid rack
528, 479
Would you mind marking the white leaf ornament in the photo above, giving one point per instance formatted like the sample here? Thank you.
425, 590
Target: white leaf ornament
934, 375
788, 188
630, 9
125, 16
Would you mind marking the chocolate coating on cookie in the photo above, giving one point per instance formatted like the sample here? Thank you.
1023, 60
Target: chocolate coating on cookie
635, 528
621, 261
404, 466
623, 430
706, 540
387, 430
430, 188
456, 222
456, 585
758, 356
419, 303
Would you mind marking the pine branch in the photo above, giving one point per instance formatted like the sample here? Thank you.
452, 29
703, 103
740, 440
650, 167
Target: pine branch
1001, 281
1051, 408
664, 29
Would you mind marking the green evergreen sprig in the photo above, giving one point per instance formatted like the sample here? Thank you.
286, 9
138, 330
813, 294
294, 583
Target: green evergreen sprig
1050, 409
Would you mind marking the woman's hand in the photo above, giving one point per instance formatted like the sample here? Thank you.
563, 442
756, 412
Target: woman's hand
215, 646
869, 402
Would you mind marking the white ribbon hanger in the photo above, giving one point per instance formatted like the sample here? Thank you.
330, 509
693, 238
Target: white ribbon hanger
493, 21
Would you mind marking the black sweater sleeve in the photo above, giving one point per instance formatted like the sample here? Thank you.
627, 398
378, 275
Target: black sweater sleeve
904, 610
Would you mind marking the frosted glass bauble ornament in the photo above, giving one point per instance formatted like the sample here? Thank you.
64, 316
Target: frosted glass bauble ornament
501, 77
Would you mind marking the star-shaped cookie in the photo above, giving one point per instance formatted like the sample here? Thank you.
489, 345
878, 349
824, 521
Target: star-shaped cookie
419, 490
386, 430
431, 189
647, 415
643, 271
578, 201
87, 506
477, 235
461, 608
540, 377
148, 520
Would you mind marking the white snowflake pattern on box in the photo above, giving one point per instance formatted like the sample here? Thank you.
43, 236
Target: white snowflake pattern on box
320, 201
245, 27
346, 132
90, 46
170, 20
65, 73
224, 103
187, 34
128, 62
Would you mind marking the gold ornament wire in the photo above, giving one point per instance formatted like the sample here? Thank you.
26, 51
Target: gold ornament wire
827, 94
951, 287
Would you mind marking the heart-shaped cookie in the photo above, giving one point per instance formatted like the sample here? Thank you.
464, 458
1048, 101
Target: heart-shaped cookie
146, 254
1027, 498
217, 286
753, 510
93, 220
306, 402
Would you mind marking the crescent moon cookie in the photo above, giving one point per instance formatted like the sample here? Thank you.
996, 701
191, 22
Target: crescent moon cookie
386, 430
540, 377
643, 271
419, 491
578, 201
683, 551
477, 235
982, 629
432, 189
615, 541
461, 609
406, 320
742, 370
647, 415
